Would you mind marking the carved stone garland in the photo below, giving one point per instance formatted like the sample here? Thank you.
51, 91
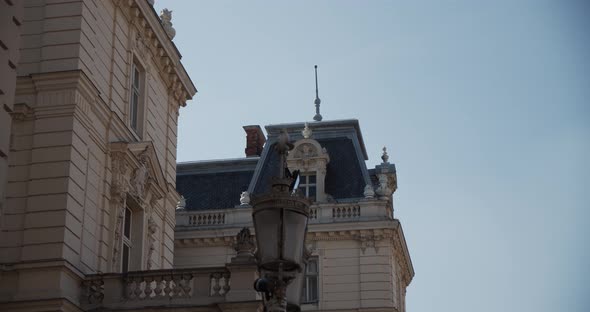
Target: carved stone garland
152, 229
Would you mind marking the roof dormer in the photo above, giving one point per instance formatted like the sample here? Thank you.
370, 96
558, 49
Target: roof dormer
311, 159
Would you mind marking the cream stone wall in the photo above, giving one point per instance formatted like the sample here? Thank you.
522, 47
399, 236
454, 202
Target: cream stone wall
74, 161
363, 261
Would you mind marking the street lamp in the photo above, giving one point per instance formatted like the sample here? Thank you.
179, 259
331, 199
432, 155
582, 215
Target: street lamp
280, 222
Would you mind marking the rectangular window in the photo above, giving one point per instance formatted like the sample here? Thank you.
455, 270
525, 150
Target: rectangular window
135, 112
310, 293
125, 261
127, 227
307, 185
126, 240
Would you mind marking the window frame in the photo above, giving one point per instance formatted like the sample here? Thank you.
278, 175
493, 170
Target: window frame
307, 292
137, 97
127, 240
305, 185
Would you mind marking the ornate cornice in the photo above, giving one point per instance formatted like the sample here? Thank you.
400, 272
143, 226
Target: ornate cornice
228, 241
368, 238
151, 40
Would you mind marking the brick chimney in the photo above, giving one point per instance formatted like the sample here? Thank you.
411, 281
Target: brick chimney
255, 140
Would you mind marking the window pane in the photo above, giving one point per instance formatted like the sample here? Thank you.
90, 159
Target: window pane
304, 291
312, 266
313, 288
125, 261
134, 103
311, 179
135, 77
311, 193
127, 229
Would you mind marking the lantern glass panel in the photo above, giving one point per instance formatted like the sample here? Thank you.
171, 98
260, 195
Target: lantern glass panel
267, 225
295, 288
295, 227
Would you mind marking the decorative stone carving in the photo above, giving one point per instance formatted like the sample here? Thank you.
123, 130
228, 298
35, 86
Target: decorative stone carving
144, 187
140, 176
138, 181
369, 192
305, 151
383, 190
21, 112
245, 198
181, 205
166, 20
385, 157
387, 178
245, 242
119, 190
308, 156
306, 131
152, 229
245, 247
140, 46
368, 240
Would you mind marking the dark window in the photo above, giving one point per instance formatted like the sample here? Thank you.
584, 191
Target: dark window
127, 228
135, 109
127, 245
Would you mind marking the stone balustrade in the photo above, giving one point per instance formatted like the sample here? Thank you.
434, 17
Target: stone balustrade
240, 216
181, 287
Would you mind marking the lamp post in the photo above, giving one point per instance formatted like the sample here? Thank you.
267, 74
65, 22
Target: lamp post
280, 221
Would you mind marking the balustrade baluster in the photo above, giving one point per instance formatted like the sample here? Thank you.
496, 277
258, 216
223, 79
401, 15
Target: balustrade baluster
148, 290
186, 288
158, 287
226, 282
137, 291
167, 288
176, 289
129, 288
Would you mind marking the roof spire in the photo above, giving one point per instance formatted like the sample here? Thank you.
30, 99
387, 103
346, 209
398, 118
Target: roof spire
317, 101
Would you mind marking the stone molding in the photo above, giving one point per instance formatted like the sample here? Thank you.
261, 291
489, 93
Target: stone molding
367, 237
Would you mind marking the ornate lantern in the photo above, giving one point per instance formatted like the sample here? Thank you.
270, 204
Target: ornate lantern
280, 221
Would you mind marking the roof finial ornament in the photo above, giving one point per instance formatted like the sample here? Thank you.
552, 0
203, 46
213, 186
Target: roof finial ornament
306, 131
317, 101
385, 157
166, 21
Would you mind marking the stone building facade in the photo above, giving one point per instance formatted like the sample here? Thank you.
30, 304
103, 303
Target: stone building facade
11, 18
358, 258
91, 218
90, 112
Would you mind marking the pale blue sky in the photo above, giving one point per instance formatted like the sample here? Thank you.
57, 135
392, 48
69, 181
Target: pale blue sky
484, 106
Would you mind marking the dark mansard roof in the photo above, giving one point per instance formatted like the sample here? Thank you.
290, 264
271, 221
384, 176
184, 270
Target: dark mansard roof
218, 184
215, 184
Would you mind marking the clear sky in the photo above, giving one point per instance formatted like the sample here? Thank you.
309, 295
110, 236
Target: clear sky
483, 105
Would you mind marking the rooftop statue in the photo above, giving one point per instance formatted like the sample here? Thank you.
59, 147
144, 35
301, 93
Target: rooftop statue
166, 20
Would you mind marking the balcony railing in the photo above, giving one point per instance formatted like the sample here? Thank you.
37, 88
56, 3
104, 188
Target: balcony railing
363, 210
179, 287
